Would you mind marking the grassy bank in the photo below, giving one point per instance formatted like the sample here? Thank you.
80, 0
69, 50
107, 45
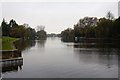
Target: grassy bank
7, 43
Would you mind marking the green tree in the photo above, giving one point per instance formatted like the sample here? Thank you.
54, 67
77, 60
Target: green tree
116, 28
90, 32
5, 28
78, 31
41, 34
13, 23
67, 35
104, 28
31, 33
18, 32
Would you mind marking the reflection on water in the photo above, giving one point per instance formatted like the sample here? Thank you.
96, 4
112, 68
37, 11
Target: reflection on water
98, 57
41, 43
14, 67
11, 61
24, 44
100, 52
52, 58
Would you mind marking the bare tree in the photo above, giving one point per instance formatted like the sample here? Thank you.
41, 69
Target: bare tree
110, 15
26, 25
40, 27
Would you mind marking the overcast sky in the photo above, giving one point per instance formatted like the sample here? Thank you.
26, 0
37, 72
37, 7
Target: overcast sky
56, 16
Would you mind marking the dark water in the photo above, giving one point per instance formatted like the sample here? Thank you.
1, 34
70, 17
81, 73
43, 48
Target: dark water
55, 59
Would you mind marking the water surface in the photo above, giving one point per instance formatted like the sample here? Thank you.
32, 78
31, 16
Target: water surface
53, 58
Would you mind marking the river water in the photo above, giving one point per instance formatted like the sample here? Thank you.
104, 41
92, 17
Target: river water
53, 58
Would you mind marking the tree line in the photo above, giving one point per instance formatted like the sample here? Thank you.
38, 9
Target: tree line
91, 27
12, 29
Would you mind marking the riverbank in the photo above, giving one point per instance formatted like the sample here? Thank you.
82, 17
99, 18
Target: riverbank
7, 43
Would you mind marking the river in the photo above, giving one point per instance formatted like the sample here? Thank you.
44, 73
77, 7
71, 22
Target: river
53, 58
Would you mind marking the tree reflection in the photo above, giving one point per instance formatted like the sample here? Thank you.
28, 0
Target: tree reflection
15, 65
12, 67
99, 52
11, 61
41, 43
24, 44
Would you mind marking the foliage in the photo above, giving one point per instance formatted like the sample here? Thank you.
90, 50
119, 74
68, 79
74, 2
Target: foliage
5, 28
78, 31
90, 32
31, 33
104, 27
91, 27
116, 29
17, 31
41, 34
67, 35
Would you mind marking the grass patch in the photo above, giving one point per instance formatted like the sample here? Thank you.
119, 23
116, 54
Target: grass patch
7, 43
